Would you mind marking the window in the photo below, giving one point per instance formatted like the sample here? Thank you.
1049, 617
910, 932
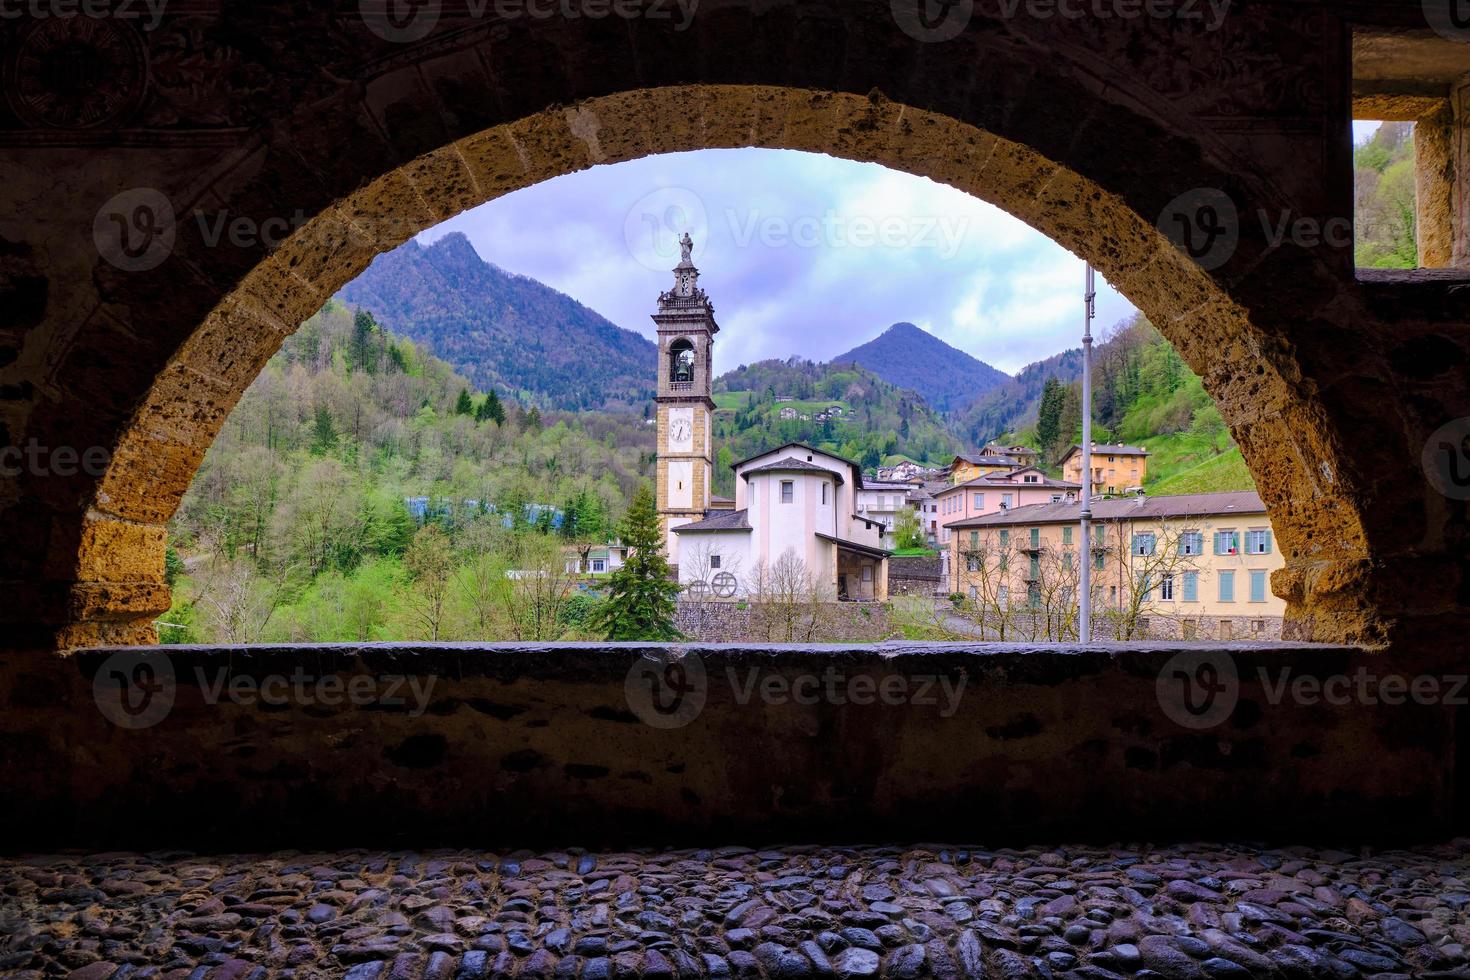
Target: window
714, 561
1143, 543
1227, 542
974, 540
1258, 585
1036, 537
824, 495
1005, 501
1066, 561
1191, 586
972, 563
1226, 629
1005, 538
1003, 597
1098, 558
974, 593
977, 500
1191, 543
1166, 588
1035, 567
1227, 586
599, 565
1056, 498
1145, 587
1031, 479
1258, 542
1033, 595
1189, 629
788, 491
1258, 626
867, 573
1101, 533
1067, 534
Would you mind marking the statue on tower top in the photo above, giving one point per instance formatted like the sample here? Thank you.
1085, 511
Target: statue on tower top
686, 249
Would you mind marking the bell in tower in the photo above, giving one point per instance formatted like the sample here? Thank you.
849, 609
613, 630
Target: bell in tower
686, 331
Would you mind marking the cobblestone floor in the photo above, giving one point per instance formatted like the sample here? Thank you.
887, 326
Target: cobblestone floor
1202, 911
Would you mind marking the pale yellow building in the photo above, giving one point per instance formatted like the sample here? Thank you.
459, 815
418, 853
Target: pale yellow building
972, 466
1115, 468
1188, 566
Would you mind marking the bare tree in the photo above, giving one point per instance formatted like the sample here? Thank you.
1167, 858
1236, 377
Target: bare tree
702, 565
1154, 560
236, 601
430, 560
790, 598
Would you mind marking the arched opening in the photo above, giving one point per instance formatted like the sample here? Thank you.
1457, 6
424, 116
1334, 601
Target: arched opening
681, 362
1293, 456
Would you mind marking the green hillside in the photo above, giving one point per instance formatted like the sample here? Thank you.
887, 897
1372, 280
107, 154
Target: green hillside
1224, 472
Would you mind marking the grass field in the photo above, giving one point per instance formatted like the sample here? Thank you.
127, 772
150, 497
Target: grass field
1224, 472
729, 401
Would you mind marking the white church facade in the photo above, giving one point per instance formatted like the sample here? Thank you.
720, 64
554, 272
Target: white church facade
796, 508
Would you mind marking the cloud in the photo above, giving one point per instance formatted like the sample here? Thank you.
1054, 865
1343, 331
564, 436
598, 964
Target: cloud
802, 254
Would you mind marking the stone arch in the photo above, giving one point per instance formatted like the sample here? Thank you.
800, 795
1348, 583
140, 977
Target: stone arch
1285, 435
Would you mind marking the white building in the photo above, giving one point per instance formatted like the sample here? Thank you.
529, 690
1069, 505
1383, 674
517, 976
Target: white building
882, 500
795, 504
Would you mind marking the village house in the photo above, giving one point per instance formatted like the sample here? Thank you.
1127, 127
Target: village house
996, 492
1188, 566
882, 501
598, 560
1020, 455
1115, 469
972, 466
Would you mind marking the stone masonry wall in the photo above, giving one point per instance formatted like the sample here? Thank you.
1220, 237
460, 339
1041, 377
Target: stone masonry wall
744, 622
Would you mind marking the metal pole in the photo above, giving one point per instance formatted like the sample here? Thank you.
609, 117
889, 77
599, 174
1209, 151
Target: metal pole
1084, 591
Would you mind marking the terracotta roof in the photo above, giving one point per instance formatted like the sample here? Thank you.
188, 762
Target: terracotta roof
732, 520
1126, 508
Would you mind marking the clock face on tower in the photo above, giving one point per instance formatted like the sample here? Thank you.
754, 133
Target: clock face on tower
681, 429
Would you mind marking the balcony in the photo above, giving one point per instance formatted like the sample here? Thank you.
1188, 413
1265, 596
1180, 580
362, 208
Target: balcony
681, 385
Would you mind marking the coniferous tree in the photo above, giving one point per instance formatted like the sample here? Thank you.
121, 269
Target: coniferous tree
363, 351
323, 432
640, 602
465, 405
1049, 418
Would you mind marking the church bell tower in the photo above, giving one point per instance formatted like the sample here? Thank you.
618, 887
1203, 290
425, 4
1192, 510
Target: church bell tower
686, 332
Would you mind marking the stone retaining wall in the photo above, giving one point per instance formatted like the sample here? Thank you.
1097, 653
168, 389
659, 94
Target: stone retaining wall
745, 622
600, 743
914, 574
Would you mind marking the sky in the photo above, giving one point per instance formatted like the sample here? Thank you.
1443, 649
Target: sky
801, 254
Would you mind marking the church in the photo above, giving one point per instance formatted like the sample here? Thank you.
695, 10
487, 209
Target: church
795, 508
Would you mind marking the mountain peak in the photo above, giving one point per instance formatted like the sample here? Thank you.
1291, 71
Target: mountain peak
911, 357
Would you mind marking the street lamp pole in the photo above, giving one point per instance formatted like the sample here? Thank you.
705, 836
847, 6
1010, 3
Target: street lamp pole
1084, 591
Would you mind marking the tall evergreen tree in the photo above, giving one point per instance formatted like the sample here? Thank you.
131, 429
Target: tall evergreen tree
491, 409
640, 602
363, 353
465, 405
1049, 418
323, 432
